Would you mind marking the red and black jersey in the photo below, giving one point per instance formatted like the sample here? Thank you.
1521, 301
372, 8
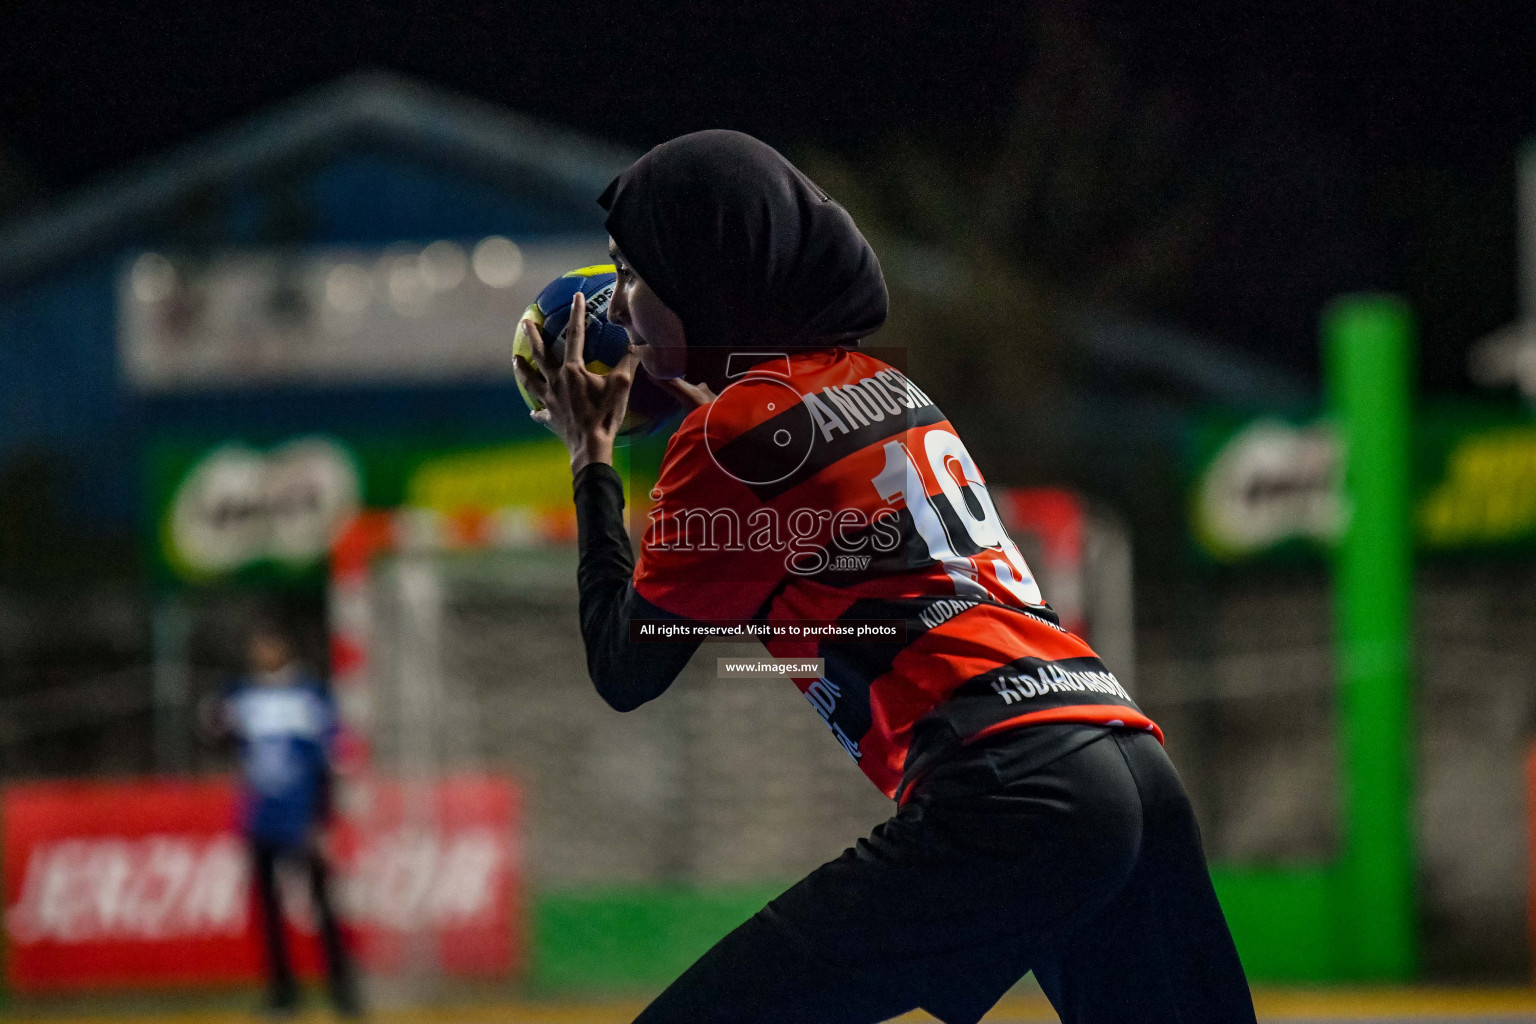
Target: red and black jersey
824, 486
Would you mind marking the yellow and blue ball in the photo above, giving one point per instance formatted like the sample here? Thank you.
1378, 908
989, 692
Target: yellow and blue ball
604, 345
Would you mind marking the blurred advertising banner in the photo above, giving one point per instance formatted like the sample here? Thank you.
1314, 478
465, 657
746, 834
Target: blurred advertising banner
432, 881
404, 314
147, 884
267, 512
1269, 488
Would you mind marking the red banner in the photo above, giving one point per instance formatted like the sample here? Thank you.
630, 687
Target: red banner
149, 883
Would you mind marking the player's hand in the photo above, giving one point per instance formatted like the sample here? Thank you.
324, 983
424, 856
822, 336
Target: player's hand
584, 408
689, 396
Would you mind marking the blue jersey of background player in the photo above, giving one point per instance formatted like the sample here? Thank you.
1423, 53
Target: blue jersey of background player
284, 721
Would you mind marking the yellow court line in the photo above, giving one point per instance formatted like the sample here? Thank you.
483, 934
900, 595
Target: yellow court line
518, 1013
495, 1013
1286, 1004
1395, 1002
1328, 1004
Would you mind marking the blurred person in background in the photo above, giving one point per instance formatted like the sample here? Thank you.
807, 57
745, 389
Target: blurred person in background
283, 721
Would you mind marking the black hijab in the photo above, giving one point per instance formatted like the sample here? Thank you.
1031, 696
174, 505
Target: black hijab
744, 248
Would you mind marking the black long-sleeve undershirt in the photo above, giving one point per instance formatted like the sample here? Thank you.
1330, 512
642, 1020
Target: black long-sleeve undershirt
626, 674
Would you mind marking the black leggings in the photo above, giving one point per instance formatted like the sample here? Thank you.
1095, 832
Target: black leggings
1088, 871
283, 991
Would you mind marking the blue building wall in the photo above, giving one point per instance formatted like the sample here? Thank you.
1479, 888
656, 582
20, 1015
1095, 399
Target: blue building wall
62, 392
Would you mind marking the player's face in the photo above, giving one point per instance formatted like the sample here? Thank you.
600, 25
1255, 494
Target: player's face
650, 323
268, 653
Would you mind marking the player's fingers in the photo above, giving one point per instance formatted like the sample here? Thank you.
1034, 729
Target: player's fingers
536, 342
576, 333
691, 396
625, 370
617, 383
532, 381
527, 374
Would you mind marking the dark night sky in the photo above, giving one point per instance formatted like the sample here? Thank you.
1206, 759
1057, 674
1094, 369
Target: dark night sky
1358, 144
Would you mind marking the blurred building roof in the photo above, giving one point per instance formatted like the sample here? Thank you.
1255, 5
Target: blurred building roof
370, 162
372, 110
1181, 367
1130, 357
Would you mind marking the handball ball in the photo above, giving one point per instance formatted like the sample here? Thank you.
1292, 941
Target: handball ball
605, 343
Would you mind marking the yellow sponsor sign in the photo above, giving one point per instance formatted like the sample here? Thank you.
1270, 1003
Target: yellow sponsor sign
531, 474
535, 474
1488, 495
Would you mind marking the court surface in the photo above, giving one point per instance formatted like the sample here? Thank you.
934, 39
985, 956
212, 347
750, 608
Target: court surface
1394, 1006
